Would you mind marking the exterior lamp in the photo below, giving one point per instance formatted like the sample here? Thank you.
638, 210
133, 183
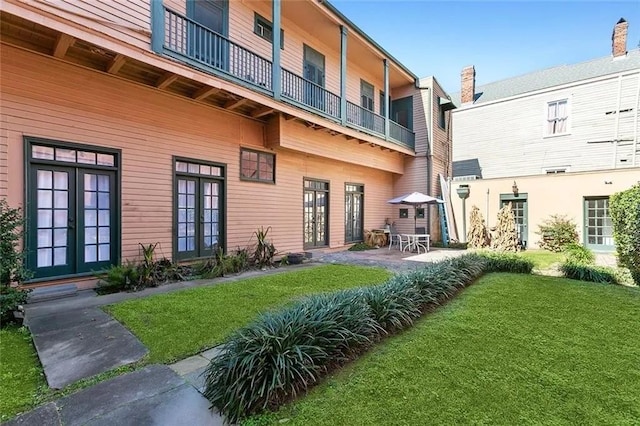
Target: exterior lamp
514, 188
463, 192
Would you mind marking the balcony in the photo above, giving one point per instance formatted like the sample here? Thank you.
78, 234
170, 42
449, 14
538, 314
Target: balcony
184, 39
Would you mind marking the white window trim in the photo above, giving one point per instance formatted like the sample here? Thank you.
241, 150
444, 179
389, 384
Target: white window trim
545, 118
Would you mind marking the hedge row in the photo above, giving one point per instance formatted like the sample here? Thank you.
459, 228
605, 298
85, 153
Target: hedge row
283, 353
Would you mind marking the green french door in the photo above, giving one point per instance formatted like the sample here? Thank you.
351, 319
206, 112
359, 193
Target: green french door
354, 217
316, 213
520, 212
598, 228
71, 212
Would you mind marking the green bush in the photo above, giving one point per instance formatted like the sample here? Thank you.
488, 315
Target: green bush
221, 264
456, 246
577, 253
506, 262
582, 272
361, 247
557, 232
624, 208
10, 298
283, 353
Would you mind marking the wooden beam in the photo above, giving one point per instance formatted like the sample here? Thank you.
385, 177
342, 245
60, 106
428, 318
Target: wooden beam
204, 93
116, 63
165, 80
63, 43
349, 137
261, 112
235, 103
289, 117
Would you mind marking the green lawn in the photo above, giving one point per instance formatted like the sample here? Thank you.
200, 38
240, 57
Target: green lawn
21, 377
179, 324
511, 349
543, 259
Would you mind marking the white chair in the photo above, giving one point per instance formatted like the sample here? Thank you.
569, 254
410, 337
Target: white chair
396, 238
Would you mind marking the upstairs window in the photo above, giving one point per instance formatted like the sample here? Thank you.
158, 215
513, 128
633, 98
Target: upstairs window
557, 117
264, 28
257, 166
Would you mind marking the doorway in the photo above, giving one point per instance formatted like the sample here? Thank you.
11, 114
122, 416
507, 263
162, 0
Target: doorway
354, 213
316, 213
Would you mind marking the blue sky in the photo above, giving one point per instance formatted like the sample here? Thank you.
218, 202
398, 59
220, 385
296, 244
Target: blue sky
502, 39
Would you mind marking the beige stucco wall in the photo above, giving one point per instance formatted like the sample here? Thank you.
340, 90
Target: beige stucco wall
546, 195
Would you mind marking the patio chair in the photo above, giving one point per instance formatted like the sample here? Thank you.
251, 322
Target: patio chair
396, 238
423, 241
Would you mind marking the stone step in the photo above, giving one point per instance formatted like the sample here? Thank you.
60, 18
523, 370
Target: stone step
61, 291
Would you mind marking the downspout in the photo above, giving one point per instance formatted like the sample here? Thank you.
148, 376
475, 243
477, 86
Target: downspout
635, 125
429, 136
617, 125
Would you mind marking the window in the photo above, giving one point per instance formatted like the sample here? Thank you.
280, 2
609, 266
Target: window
257, 165
73, 209
264, 29
198, 208
557, 117
404, 213
366, 95
442, 118
555, 171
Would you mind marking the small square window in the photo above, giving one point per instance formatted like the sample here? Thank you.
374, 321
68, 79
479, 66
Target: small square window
404, 213
257, 165
264, 28
420, 213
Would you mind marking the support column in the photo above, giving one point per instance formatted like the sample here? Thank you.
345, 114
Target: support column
276, 74
343, 74
386, 99
157, 26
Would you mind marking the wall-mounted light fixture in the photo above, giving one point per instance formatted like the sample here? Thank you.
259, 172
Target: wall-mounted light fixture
514, 188
463, 192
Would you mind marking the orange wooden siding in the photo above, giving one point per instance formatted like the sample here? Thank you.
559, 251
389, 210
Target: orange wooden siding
47, 98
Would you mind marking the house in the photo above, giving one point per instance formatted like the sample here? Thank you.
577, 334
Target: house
193, 123
555, 141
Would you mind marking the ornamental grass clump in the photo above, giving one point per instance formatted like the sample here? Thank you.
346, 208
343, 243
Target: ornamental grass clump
506, 262
582, 272
285, 352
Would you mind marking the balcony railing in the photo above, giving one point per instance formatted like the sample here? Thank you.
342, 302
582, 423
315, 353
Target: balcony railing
306, 92
185, 39
365, 119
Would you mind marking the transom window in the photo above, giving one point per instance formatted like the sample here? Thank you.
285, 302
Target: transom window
264, 28
557, 117
257, 165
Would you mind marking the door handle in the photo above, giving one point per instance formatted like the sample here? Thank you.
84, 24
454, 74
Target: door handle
71, 224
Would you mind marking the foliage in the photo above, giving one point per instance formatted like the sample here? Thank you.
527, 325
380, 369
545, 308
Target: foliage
624, 208
507, 262
361, 247
221, 264
451, 245
182, 323
283, 353
557, 232
478, 236
577, 253
149, 272
264, 250
506, 236
21, 377
583, 272
511, 349
12, 268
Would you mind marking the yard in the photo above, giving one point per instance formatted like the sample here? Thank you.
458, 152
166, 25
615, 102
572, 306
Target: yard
543, 259
511, 349
179, 324
21, 377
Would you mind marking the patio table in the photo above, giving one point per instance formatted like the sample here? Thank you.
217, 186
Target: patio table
417, 241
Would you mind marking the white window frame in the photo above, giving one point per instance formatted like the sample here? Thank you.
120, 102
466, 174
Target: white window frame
555, 170
545, 123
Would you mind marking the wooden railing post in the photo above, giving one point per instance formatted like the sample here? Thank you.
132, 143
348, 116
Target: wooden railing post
157, 26
276, 76
386, 98
343, 75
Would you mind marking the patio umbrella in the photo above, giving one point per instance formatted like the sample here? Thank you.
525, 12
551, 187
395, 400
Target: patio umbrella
415, 199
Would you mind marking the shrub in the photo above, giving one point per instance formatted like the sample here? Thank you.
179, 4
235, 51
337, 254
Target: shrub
506, 236
12, 270
221, 264
478, 236
577, 253
285, 352
451, 245
582, 272
506, 262
557, 232
624, 208
264, 250
361, 247
118, 278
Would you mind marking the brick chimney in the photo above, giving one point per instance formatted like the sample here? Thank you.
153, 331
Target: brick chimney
619, 39
468, 90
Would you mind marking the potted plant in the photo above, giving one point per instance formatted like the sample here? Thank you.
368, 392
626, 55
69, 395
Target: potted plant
295, 258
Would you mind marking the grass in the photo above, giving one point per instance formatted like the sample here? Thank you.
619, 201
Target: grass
511, 349
21, 378
543, 259
176, 325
